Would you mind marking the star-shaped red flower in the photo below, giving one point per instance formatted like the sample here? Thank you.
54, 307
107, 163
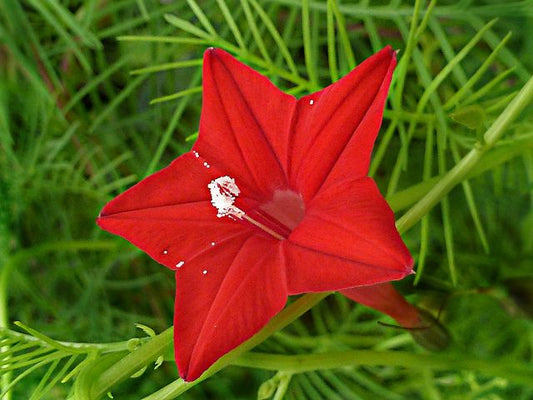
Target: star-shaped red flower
273, 200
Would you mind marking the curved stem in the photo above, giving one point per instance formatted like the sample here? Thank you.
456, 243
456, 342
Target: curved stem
284, 318
132, 363
5, 271
461, 169
311, 362
80, 347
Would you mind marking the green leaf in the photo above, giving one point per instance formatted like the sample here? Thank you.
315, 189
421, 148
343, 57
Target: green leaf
473, 117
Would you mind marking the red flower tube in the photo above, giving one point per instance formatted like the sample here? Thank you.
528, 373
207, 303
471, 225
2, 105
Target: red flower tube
424, 329
273, 200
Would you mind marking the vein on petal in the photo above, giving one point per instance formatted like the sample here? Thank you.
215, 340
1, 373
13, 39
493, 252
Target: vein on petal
361, 237
371, 106
295, 116
201, 332
260, 128
189, 203
349, 260
219, 242
234, 136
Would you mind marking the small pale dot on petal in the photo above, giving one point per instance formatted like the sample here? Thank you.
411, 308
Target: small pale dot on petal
204, 272
165, 251
180, 264
311, 102
213, 243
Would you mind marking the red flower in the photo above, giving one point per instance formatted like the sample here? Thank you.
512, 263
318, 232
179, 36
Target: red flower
273, 200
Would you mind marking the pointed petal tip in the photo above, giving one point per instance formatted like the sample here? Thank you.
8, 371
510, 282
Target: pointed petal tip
99, 219
102, 215
409, 266
102, 222
188, 377
209, 51
392, 53
215, 52
184, 376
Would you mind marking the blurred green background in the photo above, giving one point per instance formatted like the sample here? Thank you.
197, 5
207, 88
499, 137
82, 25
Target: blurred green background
96, 94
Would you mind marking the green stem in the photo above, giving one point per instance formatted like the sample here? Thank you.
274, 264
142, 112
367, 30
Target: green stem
458, 173
311, 362
5, 379
131, 363
284, 318
491, 160
66, 346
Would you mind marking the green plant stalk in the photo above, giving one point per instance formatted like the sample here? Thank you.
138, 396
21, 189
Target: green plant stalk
4, 321
458, 173
338, 359
131, 363
5, 379
403, 199
157, 346
74, 347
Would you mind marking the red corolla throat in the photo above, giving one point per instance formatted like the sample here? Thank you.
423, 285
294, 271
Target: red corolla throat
277, 217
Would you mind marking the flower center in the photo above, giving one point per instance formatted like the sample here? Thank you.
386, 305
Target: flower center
277, 217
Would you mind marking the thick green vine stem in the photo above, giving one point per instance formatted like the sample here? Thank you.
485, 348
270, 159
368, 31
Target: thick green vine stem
458, 173
129, 365
311, 362
158, 345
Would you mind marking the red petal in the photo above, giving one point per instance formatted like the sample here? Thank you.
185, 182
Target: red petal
244, 287
334, 136
169, 214
245, 123
385, 298
346, 239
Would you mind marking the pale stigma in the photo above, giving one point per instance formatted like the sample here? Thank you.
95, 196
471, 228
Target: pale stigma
224, 191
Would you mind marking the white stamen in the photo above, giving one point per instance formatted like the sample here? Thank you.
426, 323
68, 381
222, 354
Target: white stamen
311, 102
224, 191
180, 264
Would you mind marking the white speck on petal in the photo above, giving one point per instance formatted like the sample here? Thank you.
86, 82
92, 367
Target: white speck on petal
204, 272
180, 264
196, 154
311, 102
165, 251
224, 191
213, 243
206, 165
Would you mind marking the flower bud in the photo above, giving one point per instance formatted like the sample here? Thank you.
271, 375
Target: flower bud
423, 327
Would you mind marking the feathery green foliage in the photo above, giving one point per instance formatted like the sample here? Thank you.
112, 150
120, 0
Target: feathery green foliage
95, 95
